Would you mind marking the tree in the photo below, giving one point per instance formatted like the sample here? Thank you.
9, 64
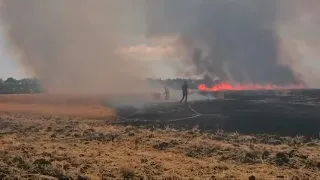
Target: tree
10, 80
1, 83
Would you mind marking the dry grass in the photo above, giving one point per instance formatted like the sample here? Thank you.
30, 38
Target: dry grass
52, 147
58, 105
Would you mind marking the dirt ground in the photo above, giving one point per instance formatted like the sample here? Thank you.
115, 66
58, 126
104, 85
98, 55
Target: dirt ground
71, 146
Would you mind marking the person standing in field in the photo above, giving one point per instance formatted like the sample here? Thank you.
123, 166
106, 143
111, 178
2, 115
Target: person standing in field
166, 92
184, 92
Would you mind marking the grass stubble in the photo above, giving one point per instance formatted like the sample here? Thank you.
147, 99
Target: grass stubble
55, 145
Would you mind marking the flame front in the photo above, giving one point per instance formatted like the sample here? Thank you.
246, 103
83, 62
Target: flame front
223, 86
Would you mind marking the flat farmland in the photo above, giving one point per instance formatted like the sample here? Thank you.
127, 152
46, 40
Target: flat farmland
55, 105
56, 137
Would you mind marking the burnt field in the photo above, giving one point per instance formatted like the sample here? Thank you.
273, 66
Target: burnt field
296, 112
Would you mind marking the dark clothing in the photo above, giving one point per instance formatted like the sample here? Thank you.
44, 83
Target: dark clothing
184, 93
185, 97
167, 93
185, 89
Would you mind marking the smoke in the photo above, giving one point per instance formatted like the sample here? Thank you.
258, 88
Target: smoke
299, 33
235, 40
71, 44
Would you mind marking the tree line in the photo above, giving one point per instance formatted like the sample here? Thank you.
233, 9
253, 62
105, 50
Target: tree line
20, 86
33, 85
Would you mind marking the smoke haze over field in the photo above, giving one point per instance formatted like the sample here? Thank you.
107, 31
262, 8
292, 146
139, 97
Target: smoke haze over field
237, 40
74, 45
70, 45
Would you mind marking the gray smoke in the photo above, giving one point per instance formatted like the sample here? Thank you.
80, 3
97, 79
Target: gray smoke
235, 40
300, 38
70, 44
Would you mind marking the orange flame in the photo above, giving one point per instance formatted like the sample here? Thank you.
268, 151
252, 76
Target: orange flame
223, 86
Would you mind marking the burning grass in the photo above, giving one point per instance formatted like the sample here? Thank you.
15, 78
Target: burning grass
224, 86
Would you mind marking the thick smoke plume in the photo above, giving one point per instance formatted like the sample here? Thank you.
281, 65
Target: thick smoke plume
70, 44
235, 40
299, 32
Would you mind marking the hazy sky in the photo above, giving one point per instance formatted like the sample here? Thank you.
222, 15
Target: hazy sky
163, 67
11, 68
8, 66
134, 34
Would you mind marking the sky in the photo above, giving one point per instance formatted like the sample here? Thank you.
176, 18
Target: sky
163, 66
11, 68
133, 27
8, 66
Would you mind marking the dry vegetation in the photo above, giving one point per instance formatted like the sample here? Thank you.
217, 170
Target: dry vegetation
61, 105
43, 146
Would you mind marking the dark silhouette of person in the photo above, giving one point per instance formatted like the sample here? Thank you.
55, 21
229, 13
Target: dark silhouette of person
166, 92
184, 92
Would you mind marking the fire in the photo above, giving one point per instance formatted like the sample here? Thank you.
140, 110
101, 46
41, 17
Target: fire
223, 86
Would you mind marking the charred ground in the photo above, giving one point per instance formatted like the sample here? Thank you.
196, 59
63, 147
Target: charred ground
250, 112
